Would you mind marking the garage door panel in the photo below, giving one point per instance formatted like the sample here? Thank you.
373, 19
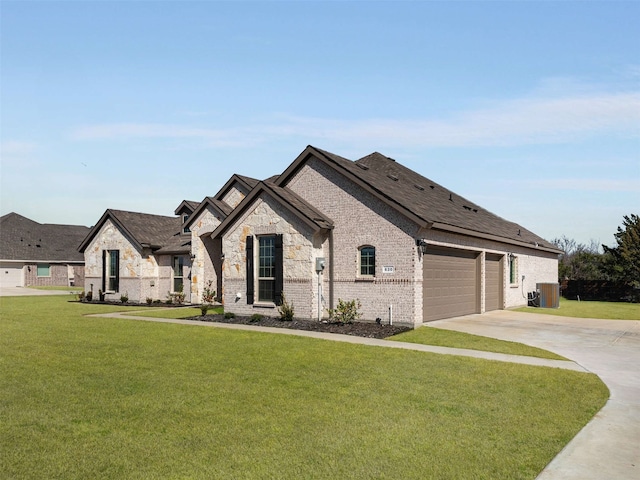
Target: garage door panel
450, 283
11, 275
493, 282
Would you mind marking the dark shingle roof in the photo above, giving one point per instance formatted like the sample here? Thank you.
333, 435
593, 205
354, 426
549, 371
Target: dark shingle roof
24, 239
426, 202
143, 229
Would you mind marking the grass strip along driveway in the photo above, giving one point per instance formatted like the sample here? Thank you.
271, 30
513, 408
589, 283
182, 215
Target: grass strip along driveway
600, 310
111, 398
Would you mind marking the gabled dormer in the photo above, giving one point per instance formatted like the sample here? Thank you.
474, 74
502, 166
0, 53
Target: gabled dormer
184, 211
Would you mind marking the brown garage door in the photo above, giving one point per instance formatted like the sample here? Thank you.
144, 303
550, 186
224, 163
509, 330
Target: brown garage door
493, 282
450, 283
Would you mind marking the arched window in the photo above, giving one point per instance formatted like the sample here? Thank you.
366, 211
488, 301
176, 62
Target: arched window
367, 261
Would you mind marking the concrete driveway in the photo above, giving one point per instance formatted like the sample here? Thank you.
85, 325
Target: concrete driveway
25, 292
609, 446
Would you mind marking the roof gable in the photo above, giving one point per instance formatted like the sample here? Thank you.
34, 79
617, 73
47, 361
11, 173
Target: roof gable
143, 229
186, 206
246, 183
218, 206
308, 214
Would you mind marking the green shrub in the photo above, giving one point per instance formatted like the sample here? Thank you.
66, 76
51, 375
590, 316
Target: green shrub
204, 308
286, 310
256, 317
88, 296
175, 297
81, 296
346, 312
124, 298
149, 300
229, 315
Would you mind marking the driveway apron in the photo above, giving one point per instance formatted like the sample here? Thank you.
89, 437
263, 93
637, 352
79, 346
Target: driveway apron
609, 446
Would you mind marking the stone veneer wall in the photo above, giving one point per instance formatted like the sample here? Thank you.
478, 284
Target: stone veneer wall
206, 263
300, 248
361, 219
234, 196
138, 272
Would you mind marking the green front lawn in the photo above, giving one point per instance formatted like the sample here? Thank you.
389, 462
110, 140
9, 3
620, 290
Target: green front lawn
111, 398
605, 310
448, 338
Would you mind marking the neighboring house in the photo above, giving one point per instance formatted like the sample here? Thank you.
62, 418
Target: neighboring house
36, 254
326, 229
141, 255
410, 250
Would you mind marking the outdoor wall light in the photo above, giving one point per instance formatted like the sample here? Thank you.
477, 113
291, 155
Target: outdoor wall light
420, 242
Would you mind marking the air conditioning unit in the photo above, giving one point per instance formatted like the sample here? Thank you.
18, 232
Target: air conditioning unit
548, 295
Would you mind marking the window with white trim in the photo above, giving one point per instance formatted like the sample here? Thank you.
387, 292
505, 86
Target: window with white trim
44, 270
513, 269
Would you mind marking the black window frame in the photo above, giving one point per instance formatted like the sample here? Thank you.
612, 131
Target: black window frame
111, 271
177, 273
367, 261
267, 278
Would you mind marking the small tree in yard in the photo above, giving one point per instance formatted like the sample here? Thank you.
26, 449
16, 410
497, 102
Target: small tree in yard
625, 258
208, 297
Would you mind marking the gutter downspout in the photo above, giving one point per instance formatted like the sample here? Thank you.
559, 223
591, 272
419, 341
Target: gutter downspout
331, 270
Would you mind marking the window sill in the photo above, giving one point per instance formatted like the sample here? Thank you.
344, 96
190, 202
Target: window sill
366, 279
264, 305
514, 285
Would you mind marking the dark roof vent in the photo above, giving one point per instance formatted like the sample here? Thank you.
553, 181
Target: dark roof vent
419, 187
392, 177
432, 187
451, 197
363, 167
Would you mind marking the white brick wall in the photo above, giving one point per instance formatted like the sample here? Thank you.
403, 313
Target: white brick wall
361, 219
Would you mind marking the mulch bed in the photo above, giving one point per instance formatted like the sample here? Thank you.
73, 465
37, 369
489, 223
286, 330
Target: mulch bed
358, 329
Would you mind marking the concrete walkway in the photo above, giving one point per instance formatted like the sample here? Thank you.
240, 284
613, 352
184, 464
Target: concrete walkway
501, 357
609, 446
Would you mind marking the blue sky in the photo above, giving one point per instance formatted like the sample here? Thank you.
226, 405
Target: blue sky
530, 109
